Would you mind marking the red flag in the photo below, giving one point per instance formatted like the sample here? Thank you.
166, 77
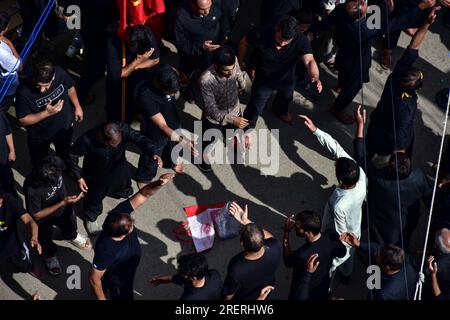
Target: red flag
134, 12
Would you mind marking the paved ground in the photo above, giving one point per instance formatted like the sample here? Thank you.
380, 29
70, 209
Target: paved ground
304, 181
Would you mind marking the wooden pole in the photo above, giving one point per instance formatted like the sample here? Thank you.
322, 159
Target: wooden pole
124, 85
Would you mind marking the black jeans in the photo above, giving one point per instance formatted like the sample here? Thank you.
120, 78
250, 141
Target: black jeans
66, 222
7, 179
39, 148
102, 186
348, 93
259, 96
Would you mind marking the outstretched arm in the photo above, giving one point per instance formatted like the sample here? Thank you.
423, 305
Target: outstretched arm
149, 190
325, 139
418, 37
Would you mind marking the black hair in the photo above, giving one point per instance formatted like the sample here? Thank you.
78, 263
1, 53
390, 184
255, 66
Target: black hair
411, 80
117, 225
392, 257
110, 131
288, 27
48, 171
193, 265
401, 164
224, 56
305, 15
309, 221
4, 21
167, 78
141, 39
347, 171
43, 72
252, 237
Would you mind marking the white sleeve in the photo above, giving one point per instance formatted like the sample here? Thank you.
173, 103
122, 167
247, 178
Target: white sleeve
8, 61
331, 144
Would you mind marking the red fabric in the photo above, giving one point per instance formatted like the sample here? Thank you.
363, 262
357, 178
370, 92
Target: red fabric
195, 210
134, 12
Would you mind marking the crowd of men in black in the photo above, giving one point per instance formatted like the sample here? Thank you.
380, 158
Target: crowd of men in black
48, 103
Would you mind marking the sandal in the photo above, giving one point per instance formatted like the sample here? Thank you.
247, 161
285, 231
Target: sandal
82, 242
53, 266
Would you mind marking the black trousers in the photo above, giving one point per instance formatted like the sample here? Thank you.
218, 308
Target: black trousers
7, 179
66, 222
148, 167
121, 293
348, 93
114, 76
95, 57
259, 96
207, 125
102, 186
39, 148
20, 260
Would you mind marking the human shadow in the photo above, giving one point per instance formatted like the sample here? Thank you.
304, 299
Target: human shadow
152, 263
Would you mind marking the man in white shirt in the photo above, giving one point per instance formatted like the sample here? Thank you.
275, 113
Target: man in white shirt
343, 209
9, 64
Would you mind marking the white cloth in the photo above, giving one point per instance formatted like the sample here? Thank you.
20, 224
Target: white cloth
343, 211
7, 60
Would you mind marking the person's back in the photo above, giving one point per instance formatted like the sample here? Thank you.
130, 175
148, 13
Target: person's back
385, 226
211, 290
399, 286
328, 247
248, 277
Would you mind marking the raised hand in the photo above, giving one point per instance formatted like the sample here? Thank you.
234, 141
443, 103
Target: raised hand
240, 215
165, 178
308, 123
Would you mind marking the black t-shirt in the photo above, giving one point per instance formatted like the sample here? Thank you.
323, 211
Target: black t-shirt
10, 211
39, 197
328, 247
246, 278
276, 67
120, 259
151, 102
212, 289
5, 130
29, 100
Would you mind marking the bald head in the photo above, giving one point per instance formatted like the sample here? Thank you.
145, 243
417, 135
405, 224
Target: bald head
201, 7
442, 240
111, 134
